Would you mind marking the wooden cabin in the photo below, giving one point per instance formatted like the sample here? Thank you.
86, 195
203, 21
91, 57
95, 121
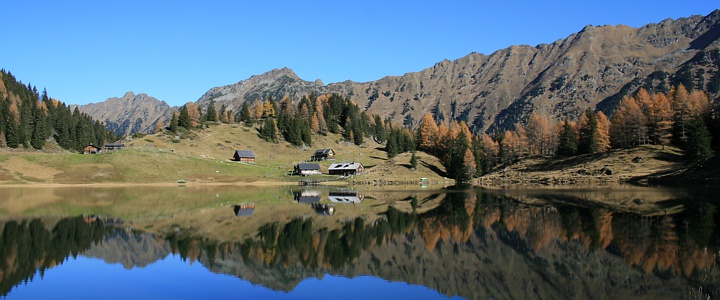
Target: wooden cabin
244, 156
346, 169
91, 149
113, 146
323, 154
306, 169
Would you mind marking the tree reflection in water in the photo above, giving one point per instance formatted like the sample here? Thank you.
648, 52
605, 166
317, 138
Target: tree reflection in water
471, 243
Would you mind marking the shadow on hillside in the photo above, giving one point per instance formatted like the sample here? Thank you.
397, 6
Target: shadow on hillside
670, 157
566, 163
433, 168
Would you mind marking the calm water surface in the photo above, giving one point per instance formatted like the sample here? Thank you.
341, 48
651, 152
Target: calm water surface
322, 243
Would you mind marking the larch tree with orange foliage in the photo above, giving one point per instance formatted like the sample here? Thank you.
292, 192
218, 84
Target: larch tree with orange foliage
602, 135
628, 125
427, 133
537, 131
159, 126
660, 122
194, 114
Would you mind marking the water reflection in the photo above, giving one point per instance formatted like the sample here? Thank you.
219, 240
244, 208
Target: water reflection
473, 244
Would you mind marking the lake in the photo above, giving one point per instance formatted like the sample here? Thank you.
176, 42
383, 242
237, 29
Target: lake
358, 243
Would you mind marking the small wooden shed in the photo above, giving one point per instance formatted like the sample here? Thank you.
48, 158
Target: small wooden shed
323, 154
91, 149
244, 156
113, 146
306, 169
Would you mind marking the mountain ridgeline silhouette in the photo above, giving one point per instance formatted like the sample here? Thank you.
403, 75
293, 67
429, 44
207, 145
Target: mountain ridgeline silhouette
593, 68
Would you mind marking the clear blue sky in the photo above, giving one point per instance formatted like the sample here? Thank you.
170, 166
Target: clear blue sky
88, 51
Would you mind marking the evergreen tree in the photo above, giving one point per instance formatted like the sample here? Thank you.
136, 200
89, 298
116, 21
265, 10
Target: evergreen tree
391, 147
173, 122
567, 145
587, 142
269, 131
184, 119
697, 146
245, 115
454, 160
413, 161
37, 139
380, 133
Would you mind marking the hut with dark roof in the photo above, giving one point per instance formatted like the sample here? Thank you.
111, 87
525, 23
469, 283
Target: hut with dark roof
323, 154
244, 156
306, 169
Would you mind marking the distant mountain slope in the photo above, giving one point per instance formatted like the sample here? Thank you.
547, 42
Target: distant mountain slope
129, 114
597, 65
592, 68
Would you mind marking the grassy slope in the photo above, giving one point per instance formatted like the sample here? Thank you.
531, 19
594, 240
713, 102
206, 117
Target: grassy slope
641, 163
202, 158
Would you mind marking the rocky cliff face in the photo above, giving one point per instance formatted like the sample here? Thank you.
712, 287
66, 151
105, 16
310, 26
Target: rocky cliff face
592, 68
589, 69
129, 114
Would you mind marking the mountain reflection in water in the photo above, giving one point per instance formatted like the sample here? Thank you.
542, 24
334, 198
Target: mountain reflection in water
472, 244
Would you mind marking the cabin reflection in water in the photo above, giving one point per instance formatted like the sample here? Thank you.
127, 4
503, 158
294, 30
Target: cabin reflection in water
244, 209
323, 209
307, 196
346, 196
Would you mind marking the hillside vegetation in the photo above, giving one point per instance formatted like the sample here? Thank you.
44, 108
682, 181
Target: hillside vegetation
204, 157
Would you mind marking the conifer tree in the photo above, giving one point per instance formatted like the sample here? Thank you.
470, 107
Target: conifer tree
12, 138
567, 143
184, 119
245, 115
697, 146
211, 113
603, 132
413, 161
587, 141
159, 126
37, 139
174, 122
427, 133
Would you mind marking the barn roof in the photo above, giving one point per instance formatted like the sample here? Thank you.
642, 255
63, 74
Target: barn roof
308, 167
245, 153
322, 151
345, 166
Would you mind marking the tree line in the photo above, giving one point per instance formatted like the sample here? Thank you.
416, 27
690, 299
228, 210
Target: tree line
29, 119
296, 123
679, 117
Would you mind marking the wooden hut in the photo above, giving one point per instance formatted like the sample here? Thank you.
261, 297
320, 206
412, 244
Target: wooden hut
346, 169
306, 169
244, 156
323, 154
91, 149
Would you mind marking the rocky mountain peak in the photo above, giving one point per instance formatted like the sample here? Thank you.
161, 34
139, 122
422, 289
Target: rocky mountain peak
129, 114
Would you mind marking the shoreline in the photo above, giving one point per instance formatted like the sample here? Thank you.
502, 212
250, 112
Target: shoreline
154, 184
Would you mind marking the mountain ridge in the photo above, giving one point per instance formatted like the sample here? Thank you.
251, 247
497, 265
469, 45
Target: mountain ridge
592, 68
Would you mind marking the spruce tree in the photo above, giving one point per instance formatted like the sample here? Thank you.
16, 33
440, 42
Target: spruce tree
391, 147
184, 119
567, 145
245, 113
211, 113
173, 122
413, 161
697, 146
587, 142
454, 160
37, 140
